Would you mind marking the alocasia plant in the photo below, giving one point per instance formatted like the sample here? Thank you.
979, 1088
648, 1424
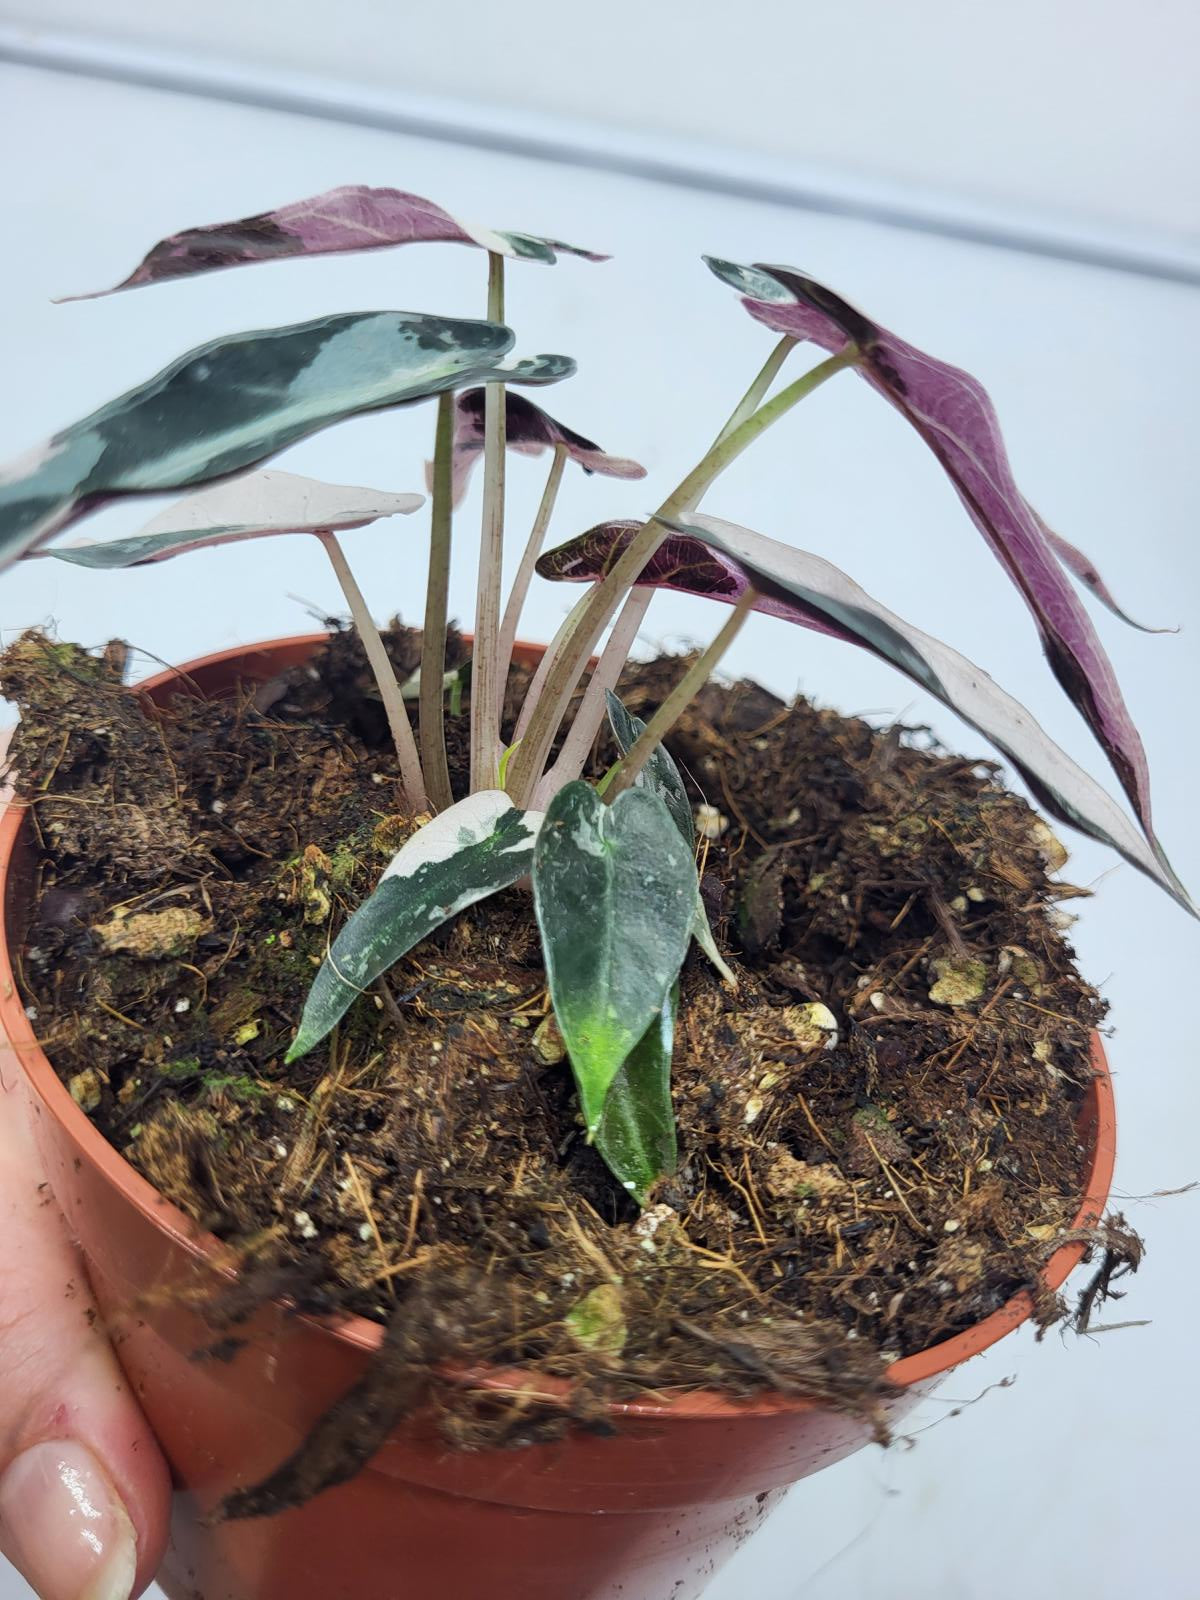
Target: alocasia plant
611, 864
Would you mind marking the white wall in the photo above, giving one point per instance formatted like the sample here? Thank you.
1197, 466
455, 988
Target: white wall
1081, 1478
1083, 108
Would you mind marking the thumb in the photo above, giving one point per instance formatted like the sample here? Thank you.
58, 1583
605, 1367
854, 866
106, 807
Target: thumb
84, 1490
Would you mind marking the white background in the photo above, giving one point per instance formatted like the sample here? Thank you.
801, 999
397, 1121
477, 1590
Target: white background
1080, 1479
1067, 106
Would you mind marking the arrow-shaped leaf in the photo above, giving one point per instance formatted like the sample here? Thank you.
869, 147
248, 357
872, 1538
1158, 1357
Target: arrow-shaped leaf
662, 777
466, 853
354, 217
529, 431
252, 507
615, 892
235, 401
636, 1136
722, 560
954, 415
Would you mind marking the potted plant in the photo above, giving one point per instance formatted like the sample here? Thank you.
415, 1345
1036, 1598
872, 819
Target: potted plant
470, 1186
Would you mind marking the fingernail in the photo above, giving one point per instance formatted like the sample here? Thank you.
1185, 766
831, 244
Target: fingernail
62, 1525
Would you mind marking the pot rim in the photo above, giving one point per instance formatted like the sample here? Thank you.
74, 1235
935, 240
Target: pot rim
366, 1336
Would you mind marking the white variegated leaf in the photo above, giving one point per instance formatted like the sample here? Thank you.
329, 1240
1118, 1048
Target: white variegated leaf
464, 854
255, 506
237, 400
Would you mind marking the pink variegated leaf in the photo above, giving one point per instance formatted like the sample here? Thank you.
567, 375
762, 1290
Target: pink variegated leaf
706, 556
354, 217
681, 562
529, 431
951, 411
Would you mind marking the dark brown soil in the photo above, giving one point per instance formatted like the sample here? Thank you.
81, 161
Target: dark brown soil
834, 1207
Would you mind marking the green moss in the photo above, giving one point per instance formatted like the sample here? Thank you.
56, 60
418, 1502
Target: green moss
212, 1081
873, 1118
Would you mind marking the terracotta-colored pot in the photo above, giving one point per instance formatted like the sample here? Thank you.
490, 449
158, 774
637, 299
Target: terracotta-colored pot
648, 1514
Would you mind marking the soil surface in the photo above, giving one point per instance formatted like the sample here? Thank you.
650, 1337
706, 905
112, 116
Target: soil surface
839, 1202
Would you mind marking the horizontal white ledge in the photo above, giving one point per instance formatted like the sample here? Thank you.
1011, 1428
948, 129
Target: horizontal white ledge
650, 156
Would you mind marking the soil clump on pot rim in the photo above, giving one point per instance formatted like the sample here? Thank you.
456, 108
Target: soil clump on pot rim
877, 1131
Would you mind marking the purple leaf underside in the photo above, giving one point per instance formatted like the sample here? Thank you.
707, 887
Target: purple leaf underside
952, 412
720, 560
529, 431
353, 217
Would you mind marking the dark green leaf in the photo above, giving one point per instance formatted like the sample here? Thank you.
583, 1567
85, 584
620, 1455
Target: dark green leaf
478, 846
615, 892
662, 777
636, 1135
660, 774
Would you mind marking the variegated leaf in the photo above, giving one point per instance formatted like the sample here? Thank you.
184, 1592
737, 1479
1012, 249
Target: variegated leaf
252, 507
354, 217
481, 845
953, 414
237, 400
529, 431
708, 556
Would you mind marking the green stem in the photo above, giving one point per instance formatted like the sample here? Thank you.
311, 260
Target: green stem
520, 588
597, 606
485, 715
385, 678
621, 776
437, 599
730, 445
751, 400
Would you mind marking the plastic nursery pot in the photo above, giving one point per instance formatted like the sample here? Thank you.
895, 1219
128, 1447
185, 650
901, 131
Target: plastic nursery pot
647, 1514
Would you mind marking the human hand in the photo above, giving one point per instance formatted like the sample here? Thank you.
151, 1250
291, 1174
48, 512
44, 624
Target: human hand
84, 1491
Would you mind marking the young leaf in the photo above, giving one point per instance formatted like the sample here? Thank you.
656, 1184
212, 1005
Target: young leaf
529, 431
235, 401
660, 774
719, 559
252, 507
952, 413
614, 888
354, 217
466, 853
662, 777
636, 1136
